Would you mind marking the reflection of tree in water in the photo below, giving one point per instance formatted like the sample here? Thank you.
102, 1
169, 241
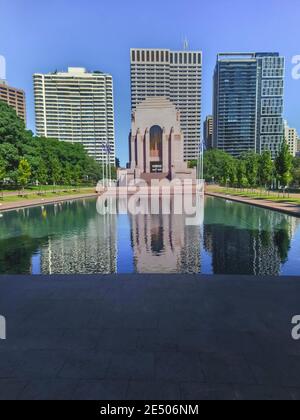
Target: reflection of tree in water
74, 238
283, 241
42, 222
246, 240
70, 234
17, 260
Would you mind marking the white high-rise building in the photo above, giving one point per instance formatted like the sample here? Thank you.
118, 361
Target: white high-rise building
77, 107
291, 137
177, 76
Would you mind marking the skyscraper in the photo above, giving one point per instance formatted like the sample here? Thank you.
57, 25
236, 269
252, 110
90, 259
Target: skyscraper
208, 132
14, 98
77, 107
176, 75
291, 137
248, 102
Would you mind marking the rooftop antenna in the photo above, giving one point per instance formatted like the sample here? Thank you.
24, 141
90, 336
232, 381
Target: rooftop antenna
185, 44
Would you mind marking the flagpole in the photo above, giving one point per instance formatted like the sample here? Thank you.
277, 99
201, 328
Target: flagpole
103, 174
106, 164
108, 148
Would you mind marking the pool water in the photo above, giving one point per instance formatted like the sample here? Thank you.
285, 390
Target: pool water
72, 237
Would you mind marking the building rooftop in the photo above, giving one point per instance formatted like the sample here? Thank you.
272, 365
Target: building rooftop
75, 72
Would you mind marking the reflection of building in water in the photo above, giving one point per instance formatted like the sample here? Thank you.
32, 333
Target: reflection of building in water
93, 250
293, 224
255, 242
241, 251
165, 243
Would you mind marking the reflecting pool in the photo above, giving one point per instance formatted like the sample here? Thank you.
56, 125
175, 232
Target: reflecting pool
72, 237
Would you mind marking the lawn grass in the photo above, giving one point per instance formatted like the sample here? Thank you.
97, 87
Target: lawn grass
45, 188
45, 195
257, 195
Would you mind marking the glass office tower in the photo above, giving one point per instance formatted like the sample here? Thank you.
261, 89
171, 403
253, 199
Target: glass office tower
248, 103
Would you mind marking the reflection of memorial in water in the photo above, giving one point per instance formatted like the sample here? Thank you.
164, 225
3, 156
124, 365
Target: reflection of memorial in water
90, 250
165, 243
247, 240
73, 237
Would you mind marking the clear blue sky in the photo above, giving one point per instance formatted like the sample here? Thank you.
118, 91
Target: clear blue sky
42, 36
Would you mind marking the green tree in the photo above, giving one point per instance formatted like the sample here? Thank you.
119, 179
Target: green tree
2, 170
17, 143
228, 171
42, 173
2, 174
24, 173
192, 164
68, 175
12, 128
241, 174
296, 171
266, 169
284, 165
9, 154
214, 161
233, 172
252, 166
77, 176
55, 171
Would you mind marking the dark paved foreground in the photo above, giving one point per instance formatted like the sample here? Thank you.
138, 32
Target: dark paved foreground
149, 337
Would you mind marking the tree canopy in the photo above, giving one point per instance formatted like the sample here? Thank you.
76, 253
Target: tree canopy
251, 169
50, 161
284, 165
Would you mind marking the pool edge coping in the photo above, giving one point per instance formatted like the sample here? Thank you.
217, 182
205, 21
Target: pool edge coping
54, 200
